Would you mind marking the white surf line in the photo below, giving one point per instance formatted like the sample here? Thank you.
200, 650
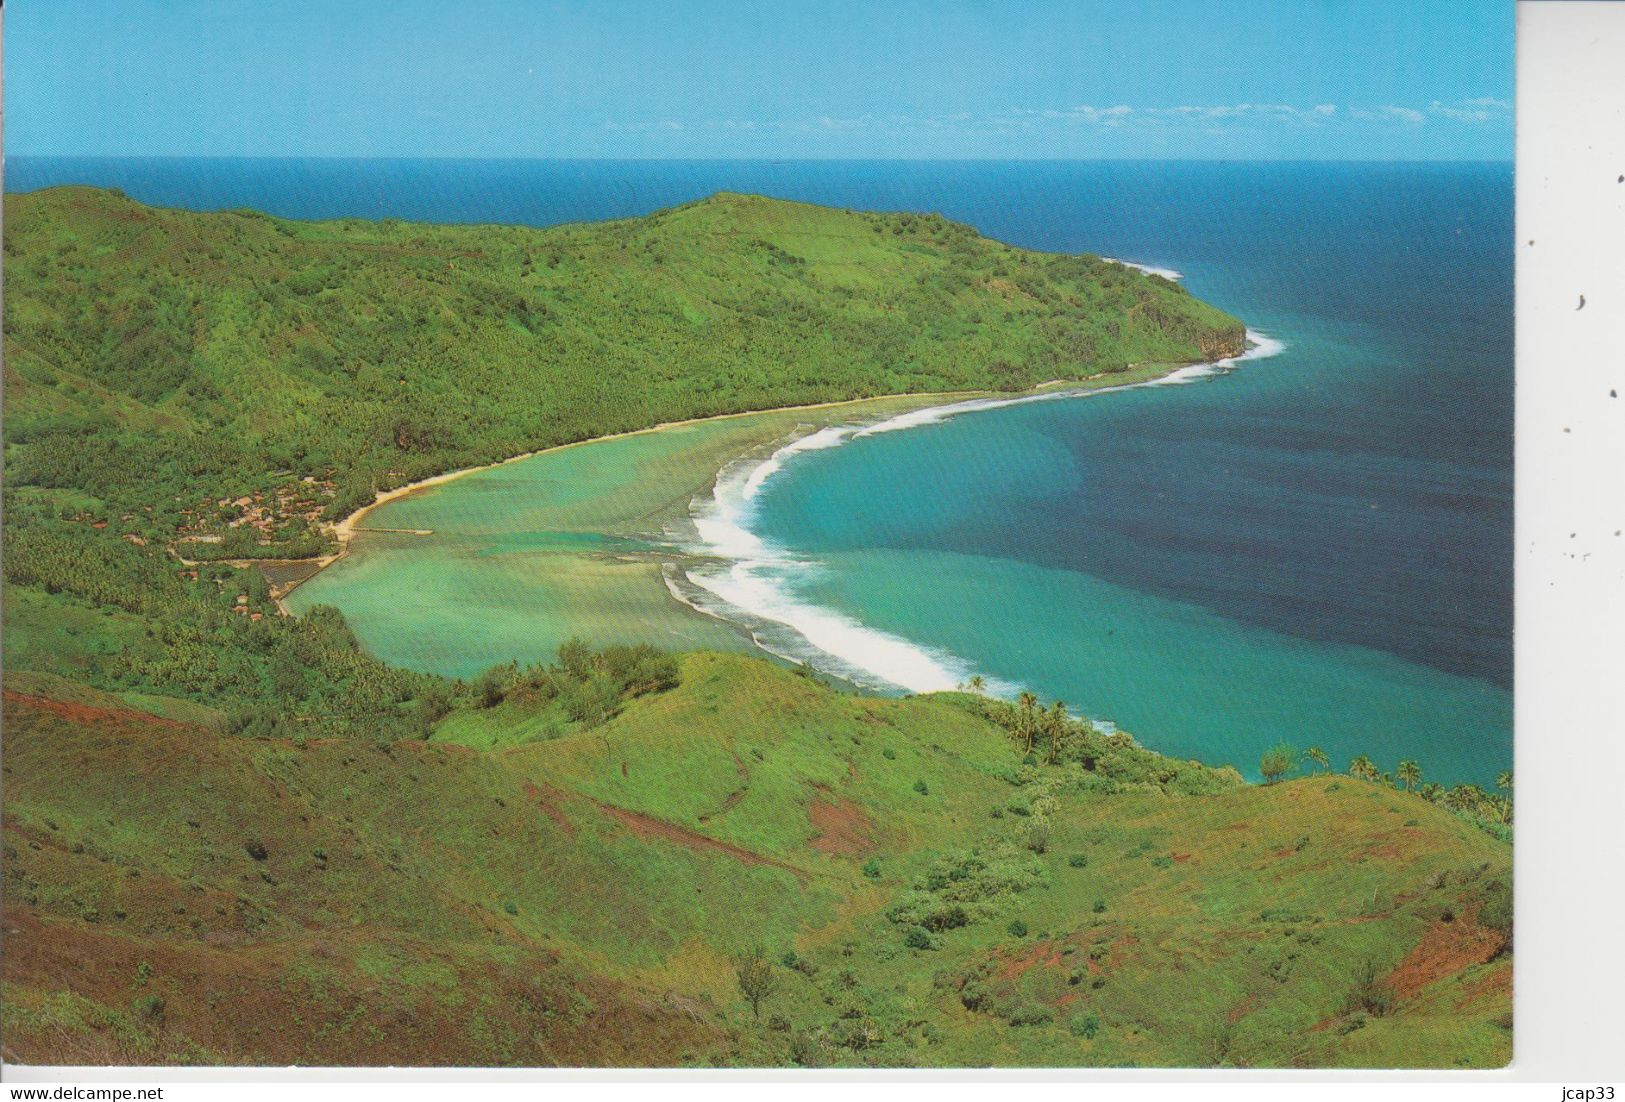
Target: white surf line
1149, 269
749, 581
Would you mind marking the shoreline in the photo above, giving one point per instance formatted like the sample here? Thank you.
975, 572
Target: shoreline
745, 583
345, 529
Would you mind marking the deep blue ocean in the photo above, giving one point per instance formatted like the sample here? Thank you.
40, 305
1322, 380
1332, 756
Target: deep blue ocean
1316, 547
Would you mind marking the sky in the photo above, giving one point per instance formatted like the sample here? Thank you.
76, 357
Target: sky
1253, 79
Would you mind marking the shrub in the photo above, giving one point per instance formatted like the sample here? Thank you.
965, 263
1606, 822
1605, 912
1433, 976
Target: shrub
1085, 1025
1100, 906
778, 1023
1277, 762
592, 700
804, 1050
889, 754
871, 869
149, 1009
922, 788
918, 938
951, 917
1031, 1014
1370, 994
1078, 860
754, 973
491, 687
1038, 834
1017, 928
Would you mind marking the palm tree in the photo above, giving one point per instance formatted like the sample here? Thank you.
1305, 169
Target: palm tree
1463, 797
1318, 756
1056, 722
1431, 792
977, 683
1410, 774
1363, 768
1027, 720
1504, 780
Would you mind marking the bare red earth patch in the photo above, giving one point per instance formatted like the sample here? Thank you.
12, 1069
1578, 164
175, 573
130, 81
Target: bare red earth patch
1044, 954
547, 798
88, 715
648, 828
1445, 949
1495, 984
843, 829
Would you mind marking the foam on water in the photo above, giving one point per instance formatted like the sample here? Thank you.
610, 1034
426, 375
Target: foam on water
751, 582
1148, 269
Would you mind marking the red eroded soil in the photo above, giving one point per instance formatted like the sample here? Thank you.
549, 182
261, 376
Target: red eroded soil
843, 829
88, 715
1494, 984
1445, 949
648, 828
547, 798
1045, 954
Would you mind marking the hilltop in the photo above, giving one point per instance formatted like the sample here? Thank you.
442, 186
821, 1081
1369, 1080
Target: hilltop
920, 895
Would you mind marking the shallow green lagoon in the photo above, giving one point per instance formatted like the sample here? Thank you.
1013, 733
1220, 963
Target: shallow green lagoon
522, 556
525, 555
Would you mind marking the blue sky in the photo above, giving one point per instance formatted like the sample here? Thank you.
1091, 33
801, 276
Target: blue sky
1254, 79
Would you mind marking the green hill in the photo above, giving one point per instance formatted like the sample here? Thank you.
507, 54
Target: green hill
159, 360
922, 897
232, 836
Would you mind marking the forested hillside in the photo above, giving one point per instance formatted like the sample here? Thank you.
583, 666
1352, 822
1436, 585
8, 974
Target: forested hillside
167, 364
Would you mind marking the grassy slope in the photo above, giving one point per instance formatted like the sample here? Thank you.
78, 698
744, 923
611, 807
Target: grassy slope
578, 901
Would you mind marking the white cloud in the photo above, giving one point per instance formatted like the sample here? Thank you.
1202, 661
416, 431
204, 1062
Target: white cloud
1482, 109
1108, 116
1211, 118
